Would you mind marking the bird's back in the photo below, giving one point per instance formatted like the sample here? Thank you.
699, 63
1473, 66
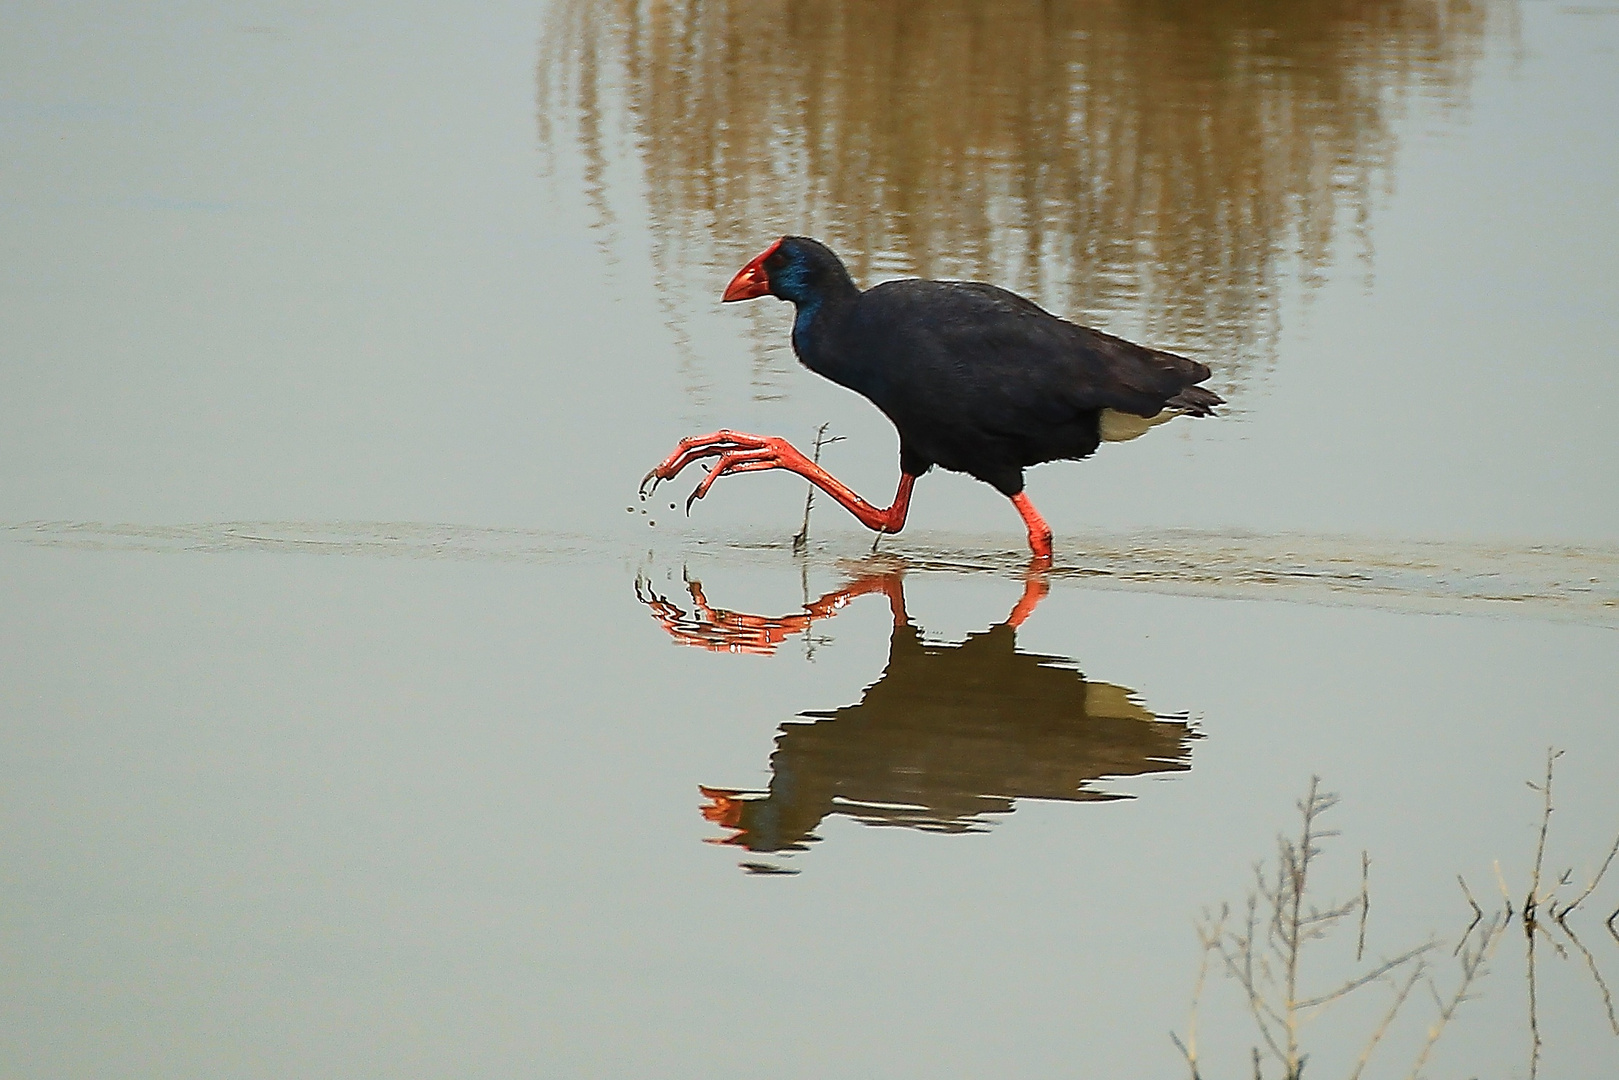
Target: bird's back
981, 380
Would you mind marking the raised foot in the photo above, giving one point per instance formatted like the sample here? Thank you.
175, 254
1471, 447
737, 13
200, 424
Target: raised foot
737, 451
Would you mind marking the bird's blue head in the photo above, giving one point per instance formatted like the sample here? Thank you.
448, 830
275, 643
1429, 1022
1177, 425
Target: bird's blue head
794, 268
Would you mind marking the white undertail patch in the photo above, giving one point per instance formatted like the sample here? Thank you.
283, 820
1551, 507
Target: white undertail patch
1122, 426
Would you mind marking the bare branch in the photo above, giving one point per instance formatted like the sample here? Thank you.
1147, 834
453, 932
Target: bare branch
1477, 911
1191, 1060
802, 539
1209, 934
1264, 952
1591, 965
1534, 1013
1365, 901
1478, 916
1502, 882
1532, 901
1472, 962
1371, 976
1400, 994
1589, 889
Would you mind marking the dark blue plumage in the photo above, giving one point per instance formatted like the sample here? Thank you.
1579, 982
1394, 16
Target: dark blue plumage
976, 379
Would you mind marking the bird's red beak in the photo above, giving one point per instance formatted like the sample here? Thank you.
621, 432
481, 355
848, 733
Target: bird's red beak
751, 280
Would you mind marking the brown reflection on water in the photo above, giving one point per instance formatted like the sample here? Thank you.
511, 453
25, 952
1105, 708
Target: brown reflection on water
1154, 166
948, 734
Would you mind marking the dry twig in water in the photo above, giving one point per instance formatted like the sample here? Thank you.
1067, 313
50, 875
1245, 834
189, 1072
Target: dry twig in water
802, 539
1264, 955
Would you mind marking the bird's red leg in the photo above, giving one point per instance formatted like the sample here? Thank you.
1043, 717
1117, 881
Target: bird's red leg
739, 452
1039, 531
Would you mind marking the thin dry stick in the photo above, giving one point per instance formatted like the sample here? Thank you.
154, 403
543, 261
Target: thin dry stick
1246, 948
1473, 961
1591, 965
1562, 953
1478, 916
803, 584
1502, 882
1189, 1055
1534, 1016
1237, 955
1296, 865
1365, 902
1532, 901
1589, 889
1371, 976
1400, 994
802, 539
1268, 966
1211, 941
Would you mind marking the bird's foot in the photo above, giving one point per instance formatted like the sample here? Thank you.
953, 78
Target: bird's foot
1039, 531
737, 451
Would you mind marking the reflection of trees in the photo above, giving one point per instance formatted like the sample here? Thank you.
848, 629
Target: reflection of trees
948, 734
1164, 157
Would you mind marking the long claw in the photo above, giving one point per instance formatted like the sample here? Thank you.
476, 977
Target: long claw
696, 493
694, 448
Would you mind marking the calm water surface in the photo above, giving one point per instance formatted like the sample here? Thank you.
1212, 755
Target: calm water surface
353, 727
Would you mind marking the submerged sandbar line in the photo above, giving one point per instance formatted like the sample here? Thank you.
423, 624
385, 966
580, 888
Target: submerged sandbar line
1576, 582
1560, 581
386, 539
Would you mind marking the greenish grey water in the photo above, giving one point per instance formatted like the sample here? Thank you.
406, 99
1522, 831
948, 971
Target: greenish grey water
350, 726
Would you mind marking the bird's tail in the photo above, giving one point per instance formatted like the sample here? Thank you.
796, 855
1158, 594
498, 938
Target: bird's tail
1195, 401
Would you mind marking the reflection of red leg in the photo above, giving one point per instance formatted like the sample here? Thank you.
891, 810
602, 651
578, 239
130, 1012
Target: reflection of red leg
726, 812
725, 809
1039, 531
896, 598
887, 582
1036, 584
739, 452
722, 630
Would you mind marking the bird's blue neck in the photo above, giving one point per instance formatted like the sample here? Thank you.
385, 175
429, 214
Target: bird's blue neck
805, 316
817, 340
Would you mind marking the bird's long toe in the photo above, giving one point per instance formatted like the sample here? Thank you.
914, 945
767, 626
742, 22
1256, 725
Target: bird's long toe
735, 461
696, 447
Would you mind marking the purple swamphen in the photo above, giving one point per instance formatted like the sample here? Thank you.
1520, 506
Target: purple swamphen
977, 380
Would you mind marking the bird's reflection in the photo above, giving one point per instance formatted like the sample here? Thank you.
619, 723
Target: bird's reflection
948, 734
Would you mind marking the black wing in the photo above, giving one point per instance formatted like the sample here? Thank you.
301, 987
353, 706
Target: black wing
966, 345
